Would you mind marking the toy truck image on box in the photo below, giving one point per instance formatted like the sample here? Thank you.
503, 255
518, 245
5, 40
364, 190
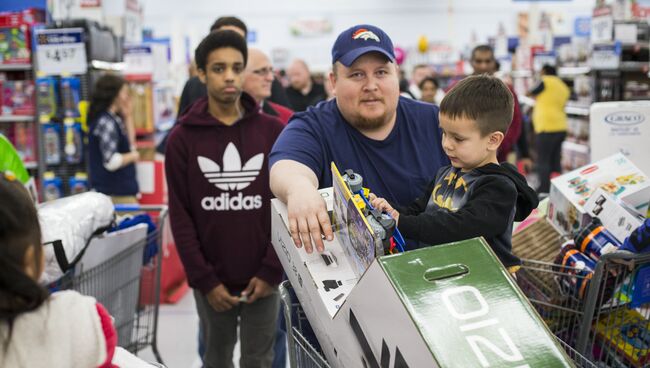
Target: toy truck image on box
451, 305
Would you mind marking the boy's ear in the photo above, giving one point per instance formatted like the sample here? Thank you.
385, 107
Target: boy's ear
201, 74
494, 141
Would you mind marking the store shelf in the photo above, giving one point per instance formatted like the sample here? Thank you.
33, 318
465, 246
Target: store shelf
12, 67
573, 71
634, 66
15, 118
574, 109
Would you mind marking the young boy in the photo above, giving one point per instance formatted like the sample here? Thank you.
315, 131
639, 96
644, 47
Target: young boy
475, 195
219, 205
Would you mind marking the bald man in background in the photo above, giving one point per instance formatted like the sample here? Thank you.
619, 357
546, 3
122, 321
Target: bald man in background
303, 91
258, 78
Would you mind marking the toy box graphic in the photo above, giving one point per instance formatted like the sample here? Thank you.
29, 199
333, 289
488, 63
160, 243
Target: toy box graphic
616, 174
353, 231
617, 217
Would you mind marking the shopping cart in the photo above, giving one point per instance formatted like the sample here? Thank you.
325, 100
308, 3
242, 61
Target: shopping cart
128, 283
304, 351
602, 314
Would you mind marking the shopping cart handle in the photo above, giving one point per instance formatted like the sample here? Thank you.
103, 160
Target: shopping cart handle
128, 207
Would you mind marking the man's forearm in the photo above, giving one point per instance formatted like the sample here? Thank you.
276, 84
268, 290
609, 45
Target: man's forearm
288, 176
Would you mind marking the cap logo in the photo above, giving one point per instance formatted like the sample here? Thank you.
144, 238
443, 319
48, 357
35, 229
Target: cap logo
365, 35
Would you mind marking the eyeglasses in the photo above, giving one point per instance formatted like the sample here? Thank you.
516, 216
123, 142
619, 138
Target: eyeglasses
263, 72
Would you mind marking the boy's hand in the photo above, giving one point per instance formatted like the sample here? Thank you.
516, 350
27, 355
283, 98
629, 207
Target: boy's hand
382, 205
221, 300
256, 289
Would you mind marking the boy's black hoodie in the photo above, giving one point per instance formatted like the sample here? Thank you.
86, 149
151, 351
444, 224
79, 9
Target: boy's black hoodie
219, 197
481, 202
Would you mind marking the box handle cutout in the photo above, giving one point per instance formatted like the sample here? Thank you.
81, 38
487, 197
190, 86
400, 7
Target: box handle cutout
446, 272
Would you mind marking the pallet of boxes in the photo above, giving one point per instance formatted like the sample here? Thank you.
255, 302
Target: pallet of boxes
452, 305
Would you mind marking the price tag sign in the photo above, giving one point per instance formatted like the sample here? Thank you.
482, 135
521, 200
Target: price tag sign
138, 59
605, 57
61, 51
602, 26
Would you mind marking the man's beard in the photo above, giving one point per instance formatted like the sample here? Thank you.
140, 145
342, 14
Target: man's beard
363, 123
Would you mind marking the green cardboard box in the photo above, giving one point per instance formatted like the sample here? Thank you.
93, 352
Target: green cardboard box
451, 305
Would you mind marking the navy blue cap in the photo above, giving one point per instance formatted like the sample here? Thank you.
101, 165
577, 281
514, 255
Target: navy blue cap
358, 40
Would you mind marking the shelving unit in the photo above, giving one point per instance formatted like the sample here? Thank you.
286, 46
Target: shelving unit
29, 141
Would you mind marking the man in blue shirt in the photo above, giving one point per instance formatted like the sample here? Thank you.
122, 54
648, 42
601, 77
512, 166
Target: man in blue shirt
393, 142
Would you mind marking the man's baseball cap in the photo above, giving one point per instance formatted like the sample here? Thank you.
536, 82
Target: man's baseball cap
358, 40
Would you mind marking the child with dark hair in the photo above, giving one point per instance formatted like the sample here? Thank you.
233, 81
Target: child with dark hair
475, 195
65, 329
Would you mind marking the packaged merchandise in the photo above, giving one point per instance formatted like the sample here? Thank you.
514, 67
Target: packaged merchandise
578, 268
29, 16
78, 183
46, 97
52, 143
594, 240
14, 45
628, 333
616, 174
621, 127
18, 97
618, 217
73, 144
70, 96
52, 186
24, 140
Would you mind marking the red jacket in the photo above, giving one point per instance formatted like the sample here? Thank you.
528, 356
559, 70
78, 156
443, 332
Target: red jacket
279, 111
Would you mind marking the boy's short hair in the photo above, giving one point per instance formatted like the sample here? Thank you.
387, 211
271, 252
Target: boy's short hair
482, 98
219, 40
228, 21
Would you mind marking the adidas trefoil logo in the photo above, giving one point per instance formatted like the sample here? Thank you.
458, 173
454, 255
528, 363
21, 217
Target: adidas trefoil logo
233, 176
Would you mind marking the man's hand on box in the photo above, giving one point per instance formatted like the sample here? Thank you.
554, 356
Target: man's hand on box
308, 219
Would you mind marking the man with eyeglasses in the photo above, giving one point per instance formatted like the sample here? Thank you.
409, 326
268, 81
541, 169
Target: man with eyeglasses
258, 78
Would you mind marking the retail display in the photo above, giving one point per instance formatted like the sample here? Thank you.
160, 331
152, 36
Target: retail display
78, 183
46, 97
15, 45
70, 96
17, 97
52, 143
73, 142
52, 187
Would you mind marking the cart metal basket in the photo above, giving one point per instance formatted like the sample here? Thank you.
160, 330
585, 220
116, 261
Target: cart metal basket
608, 319
128, 284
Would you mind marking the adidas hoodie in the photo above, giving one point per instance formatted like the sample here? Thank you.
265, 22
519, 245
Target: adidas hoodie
219, 197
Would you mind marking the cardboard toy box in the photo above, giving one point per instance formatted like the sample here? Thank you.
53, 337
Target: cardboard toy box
621, 127
569, 192
617, 217
451, 305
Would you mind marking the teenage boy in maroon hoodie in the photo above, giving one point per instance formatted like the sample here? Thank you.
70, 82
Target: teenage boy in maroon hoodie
219, 200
